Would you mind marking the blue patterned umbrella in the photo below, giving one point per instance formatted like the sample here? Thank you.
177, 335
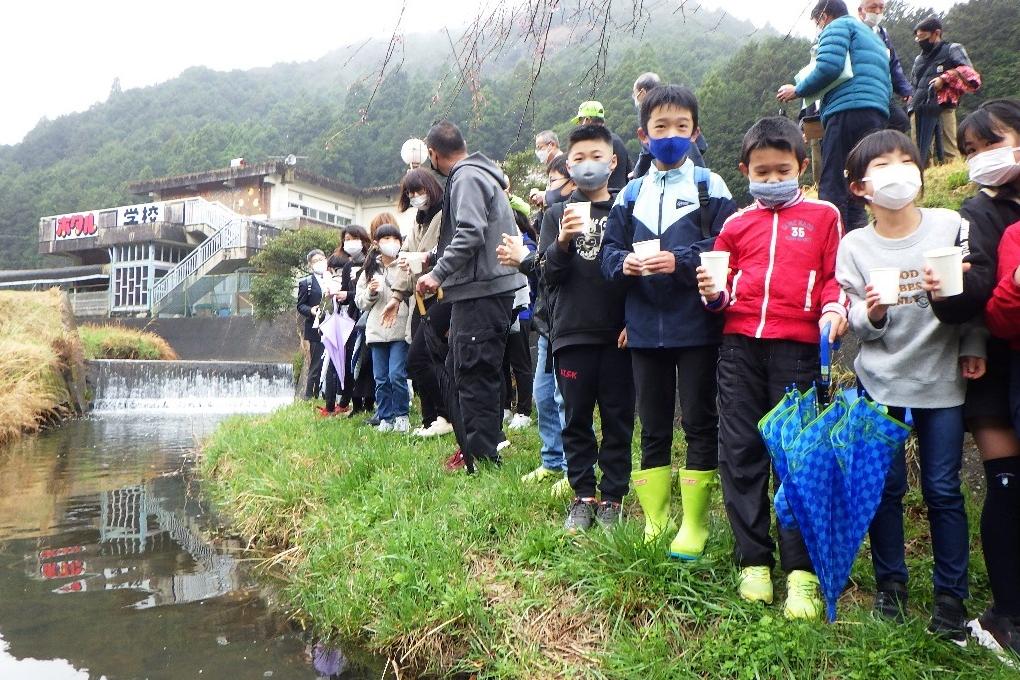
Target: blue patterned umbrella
832, 459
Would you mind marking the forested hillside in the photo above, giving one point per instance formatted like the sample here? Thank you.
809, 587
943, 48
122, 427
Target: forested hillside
349, 125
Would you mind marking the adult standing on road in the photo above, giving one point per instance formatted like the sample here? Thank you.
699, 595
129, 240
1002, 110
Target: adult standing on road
476, 215
855, 100
871, 12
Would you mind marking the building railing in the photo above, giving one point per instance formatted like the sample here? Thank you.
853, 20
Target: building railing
227, 236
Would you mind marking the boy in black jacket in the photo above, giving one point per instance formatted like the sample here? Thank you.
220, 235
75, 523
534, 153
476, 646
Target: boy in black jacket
586, 329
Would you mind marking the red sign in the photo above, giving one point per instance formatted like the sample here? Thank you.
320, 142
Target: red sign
76, 226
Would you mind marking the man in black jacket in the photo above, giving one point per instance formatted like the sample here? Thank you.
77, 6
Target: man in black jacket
933, 122
593, 113
586, 321
309, 298
476, 215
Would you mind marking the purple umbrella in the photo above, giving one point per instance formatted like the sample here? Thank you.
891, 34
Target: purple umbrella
336, 329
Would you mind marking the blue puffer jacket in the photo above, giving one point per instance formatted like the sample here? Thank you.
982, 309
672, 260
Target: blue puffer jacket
871, 86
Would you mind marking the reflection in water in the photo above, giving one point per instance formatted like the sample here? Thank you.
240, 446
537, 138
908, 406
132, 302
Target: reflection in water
101, 529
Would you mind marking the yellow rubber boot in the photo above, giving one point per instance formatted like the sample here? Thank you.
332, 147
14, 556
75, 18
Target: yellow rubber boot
802, 598
652, 488
695, 495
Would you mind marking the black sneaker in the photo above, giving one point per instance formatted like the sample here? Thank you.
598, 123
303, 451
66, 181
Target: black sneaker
608, 514
891, 601
949, 619
999, 634
580, 515
373, 421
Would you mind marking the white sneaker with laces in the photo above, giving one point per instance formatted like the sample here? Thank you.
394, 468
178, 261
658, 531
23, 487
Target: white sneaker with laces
439, 427
401, 424
519, 422
384, 426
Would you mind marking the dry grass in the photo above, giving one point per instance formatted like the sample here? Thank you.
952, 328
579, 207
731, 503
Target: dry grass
37, 352
119, 342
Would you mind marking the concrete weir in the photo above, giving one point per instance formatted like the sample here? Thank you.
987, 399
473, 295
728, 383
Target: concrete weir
121, 386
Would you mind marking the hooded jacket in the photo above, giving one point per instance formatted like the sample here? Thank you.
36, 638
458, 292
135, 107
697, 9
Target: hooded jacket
944, 57
665, 310
871, 85
476, 215
585, 309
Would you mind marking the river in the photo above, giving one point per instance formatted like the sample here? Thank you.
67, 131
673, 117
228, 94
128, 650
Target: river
107, 568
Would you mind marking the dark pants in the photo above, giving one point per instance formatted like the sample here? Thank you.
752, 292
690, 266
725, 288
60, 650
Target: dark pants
590, 376
315, 350
898, 119
518, 371
843, 131
1014, 390
332, 386
660, 376
359, 391
753, 377
478, 331
940, 440
927, 128
421, 368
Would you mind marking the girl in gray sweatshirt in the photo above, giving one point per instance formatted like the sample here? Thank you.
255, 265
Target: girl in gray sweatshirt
909, 360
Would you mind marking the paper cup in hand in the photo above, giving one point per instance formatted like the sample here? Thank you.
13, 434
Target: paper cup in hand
645, 249
717, 266
416, 262
886, 280
947, 266
583, 210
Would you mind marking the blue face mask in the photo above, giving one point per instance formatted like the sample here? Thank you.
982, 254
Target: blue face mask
775, 194
669, 150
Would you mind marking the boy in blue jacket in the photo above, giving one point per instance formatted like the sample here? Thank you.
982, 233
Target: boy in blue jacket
669, 332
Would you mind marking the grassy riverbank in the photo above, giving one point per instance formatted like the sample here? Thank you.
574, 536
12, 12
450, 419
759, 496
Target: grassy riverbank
40, 361
446, 573
119, 342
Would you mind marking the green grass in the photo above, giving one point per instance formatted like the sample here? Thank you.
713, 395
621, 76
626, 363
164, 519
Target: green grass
119, 342
444, 573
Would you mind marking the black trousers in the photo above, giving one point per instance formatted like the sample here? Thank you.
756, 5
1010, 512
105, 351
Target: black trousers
843, 131
315, 350
663, 375
421, 365
478, 332
590, 376
332, 386
753, 376
898, 119
518, 370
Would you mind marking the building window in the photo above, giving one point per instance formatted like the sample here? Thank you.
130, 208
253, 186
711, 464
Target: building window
108, 218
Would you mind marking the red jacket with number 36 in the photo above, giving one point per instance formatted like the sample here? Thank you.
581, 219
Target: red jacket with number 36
782, 270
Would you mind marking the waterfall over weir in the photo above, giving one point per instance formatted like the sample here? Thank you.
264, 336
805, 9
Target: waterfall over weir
189, 386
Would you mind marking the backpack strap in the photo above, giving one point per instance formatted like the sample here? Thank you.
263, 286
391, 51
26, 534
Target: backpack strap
630, 196
702, 176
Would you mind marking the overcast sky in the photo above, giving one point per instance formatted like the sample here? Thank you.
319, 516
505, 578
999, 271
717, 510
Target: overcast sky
60, 56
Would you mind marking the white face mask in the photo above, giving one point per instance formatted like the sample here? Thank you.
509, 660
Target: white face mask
995, 167
419, 201
319, 267
872, 19
895, 186
389, 249
353, 248
542, 155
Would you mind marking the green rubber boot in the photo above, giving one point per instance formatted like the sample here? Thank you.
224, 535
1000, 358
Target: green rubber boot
652, 487
695, 493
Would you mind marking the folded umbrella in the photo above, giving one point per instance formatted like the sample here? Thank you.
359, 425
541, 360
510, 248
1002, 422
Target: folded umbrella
336, 330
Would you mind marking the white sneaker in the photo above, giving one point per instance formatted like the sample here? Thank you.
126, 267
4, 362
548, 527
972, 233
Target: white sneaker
507, 415
439, 427
401, 424
519, 422
502, 445
384, 426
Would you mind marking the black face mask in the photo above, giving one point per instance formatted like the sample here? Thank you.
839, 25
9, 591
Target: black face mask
926, 45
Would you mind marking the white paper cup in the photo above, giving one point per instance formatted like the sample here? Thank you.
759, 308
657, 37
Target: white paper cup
717, 265
583, 209
645, 249
886, 280
415, 262
947, 266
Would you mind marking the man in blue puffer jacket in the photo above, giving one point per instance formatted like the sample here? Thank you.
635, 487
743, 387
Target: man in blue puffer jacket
852, 109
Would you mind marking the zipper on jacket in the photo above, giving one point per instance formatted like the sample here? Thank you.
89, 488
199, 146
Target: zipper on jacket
810, 289
662, 199
768, 272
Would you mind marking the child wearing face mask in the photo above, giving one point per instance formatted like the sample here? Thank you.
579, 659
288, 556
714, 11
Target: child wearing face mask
382, 292
781, 295
358, 390
910, 360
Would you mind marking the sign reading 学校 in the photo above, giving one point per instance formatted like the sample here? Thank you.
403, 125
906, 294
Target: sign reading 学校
83, 225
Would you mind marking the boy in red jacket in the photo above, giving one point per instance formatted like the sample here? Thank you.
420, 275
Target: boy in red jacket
1002, 313
780, 292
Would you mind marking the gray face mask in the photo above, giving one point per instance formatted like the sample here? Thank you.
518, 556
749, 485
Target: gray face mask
590, 175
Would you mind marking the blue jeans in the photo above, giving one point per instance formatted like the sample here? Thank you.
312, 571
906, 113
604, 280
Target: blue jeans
549, 403
940, 435
389, 367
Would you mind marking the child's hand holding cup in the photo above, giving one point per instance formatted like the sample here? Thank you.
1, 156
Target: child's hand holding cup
712, 274
576, 221
645, 249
